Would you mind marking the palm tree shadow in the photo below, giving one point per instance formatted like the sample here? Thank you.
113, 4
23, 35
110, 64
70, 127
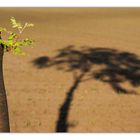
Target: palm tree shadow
62, 122
116, 68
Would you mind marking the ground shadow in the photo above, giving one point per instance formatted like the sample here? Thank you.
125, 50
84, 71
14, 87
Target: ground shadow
62, 123
104, 64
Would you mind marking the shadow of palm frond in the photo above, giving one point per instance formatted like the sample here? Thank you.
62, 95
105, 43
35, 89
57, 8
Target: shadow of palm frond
114, 68
117, 67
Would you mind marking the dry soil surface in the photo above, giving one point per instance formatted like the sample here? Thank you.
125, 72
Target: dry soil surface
83, 74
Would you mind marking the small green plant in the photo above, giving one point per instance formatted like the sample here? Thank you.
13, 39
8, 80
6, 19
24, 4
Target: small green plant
11, 42
14, 42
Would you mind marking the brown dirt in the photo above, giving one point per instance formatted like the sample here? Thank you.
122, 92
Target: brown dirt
35, 94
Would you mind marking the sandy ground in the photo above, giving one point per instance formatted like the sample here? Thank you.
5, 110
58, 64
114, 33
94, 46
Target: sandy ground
36, 91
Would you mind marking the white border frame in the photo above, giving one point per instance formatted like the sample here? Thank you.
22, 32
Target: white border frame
69, 3
68, 136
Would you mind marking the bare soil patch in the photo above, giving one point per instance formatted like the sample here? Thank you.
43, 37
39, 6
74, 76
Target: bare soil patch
83, 74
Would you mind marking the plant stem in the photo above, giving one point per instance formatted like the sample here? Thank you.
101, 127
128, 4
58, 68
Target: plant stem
4, 116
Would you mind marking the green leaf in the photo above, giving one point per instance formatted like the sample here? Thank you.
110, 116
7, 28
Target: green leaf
2, 29
1, 41
27, 42
29, 24
15, 24
10, 43
18, 43
17, 51
12, 36
14, 42
6, 43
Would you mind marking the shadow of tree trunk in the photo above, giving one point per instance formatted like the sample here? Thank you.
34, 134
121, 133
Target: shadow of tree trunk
62, 122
